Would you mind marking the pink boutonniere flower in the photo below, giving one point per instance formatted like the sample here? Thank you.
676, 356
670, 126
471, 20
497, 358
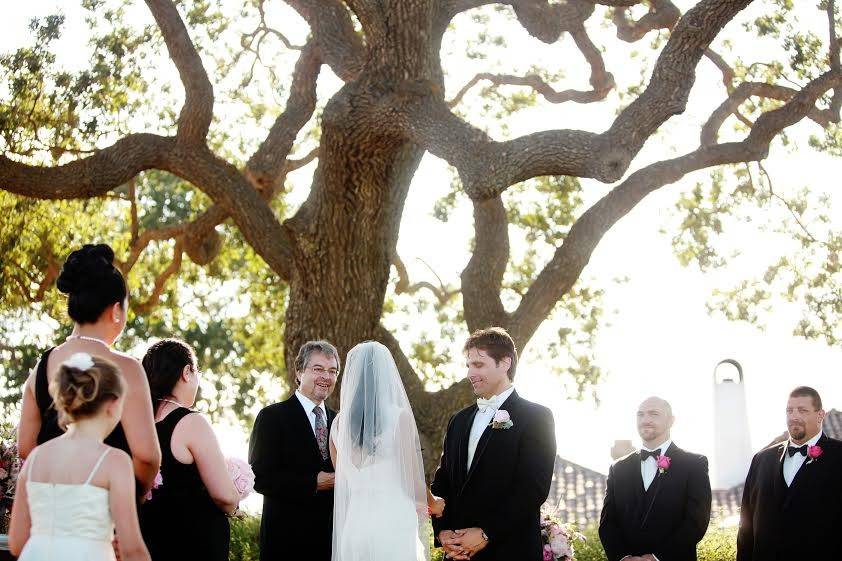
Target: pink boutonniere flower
663, 463
502, 420
813, 453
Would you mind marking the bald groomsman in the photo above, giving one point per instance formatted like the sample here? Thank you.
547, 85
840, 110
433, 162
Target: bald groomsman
657, 503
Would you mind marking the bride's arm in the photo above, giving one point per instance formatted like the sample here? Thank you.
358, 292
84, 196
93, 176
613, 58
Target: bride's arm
333, 444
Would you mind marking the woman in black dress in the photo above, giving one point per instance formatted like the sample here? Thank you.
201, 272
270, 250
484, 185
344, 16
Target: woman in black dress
186, 516
97, 303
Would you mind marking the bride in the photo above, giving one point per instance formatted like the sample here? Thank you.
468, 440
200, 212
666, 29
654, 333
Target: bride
380, 497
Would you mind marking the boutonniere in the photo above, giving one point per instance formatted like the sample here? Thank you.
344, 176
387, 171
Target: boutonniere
813, 453
501, 420
663, 463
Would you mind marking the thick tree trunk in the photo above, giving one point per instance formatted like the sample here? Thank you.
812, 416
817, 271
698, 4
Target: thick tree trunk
345, 234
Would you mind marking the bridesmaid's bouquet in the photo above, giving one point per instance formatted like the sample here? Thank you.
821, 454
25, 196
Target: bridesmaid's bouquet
241, 475
155, 484
558, 539
9, 469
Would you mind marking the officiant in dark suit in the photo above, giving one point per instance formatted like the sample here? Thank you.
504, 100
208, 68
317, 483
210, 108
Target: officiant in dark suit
658, 500
289, 454
792, 501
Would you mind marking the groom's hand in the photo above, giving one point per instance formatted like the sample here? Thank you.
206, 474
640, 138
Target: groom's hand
452, 550
325, 480
470, 541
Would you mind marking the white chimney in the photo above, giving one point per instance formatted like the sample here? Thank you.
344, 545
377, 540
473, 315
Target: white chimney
733, 450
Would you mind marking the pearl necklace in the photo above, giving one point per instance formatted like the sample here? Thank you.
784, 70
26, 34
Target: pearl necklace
174, 402
86, 338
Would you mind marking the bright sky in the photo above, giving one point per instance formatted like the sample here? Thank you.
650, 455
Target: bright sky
661, 339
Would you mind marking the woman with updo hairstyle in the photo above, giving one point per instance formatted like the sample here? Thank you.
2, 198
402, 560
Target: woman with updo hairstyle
75, 490
186, 516
97, 301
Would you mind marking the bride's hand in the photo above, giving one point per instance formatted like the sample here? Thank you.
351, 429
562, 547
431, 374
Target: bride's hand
437, 507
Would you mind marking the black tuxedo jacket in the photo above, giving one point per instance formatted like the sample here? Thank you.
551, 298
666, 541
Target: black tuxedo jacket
297, 521
507, 482
802, 521
668, 519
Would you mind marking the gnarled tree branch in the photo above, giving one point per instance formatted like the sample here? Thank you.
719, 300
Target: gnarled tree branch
663, 14
197, 113
268, 162
161, 281
740, 94
487, 168
87, 177
340, 46
482, 278
559, 275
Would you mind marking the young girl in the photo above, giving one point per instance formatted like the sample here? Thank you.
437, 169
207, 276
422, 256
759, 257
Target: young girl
74, 489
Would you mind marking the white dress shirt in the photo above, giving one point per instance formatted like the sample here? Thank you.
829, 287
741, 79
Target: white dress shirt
308, 408
482, 419
649, 468
793, 463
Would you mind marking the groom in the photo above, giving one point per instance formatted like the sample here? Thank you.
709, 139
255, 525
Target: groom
657, 502
288, 452
497, 462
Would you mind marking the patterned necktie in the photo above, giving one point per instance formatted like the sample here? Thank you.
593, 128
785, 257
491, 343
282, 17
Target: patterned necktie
321, 431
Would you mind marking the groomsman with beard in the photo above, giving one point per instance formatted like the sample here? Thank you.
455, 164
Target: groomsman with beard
792, 500
658, 500
497, 462
288, 452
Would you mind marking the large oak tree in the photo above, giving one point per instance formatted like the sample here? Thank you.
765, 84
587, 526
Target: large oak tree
66, 138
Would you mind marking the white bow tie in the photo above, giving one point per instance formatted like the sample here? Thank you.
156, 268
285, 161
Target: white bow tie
486, 404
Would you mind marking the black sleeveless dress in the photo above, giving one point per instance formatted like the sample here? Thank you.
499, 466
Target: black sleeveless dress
49, 415
181, 521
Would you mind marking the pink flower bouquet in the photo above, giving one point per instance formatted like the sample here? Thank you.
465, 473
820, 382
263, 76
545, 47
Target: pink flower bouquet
241, 475
155, 484
558, 539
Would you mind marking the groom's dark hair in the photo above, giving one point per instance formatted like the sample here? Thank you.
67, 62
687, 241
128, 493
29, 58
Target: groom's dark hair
497, 343
807, 391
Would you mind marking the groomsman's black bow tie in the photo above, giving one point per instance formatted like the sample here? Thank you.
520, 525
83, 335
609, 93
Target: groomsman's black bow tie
793, 450
646, 453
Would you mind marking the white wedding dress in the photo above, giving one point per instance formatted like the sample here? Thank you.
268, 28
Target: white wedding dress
380, 503
70, 522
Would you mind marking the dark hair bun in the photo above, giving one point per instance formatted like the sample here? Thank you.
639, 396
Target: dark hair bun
92, 282
86, 268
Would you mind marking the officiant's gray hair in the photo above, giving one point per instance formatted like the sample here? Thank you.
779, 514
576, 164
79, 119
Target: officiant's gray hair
310, 347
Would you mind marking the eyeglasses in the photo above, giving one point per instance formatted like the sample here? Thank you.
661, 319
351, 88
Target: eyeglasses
319, 371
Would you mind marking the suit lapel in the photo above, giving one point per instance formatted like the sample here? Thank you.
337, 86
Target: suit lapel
463, 437
487, 435
779, 487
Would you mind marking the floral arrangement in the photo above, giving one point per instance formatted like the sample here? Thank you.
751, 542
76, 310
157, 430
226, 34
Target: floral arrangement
241, 475
9, 469
558, 539
155, 484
